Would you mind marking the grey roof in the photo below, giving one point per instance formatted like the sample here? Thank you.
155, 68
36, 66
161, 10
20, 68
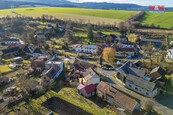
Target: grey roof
151, 40
6, 40
89, 71
141, 82
136, 72
10, 50
125, 68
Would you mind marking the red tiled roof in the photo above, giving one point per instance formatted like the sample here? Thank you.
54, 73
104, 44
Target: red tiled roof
38, 63
89, 88
119, 97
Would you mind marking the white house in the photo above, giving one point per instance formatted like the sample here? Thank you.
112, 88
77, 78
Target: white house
82, 48
10, 41
141, 86
169, 54
90, 77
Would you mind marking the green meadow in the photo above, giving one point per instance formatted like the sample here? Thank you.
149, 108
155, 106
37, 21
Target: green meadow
114, 14
162, 19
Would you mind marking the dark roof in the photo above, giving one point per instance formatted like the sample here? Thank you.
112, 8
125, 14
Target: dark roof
4, 40
10, 50
125, 68
81, 64
159, 70
38, 50
27, 49
138, 63
124, 49
119, 97
140, 82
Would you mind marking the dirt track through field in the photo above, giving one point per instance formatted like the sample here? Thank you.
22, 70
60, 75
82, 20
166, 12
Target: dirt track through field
63, 107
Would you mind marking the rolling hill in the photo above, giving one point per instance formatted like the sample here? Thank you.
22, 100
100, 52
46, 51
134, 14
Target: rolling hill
162, 19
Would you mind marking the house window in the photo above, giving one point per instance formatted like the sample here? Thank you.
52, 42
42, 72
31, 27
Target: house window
130, 85
136, 88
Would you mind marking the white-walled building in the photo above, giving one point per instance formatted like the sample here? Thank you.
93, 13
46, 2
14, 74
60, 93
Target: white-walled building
142, 86
82, 48
10, 41
169, 54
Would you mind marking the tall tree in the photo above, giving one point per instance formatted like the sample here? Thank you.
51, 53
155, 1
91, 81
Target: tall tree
90, 33
109, 54
43, 19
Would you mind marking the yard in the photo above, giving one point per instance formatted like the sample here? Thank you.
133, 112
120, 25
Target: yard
4, 68
68, 94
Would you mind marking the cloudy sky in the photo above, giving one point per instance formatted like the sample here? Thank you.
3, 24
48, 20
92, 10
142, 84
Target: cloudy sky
167, 3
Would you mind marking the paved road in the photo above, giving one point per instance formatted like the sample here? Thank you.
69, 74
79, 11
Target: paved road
156, 106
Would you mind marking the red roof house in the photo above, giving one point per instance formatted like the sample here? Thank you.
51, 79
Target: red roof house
87, 91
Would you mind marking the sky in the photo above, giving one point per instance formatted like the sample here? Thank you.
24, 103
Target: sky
167, 3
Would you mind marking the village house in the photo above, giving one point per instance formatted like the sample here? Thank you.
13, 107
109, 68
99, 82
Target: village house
10, 51
125, 51
51, 74
49, 27
82, 66
121, 38
115, 97
16, 45
38, 64
90, 77
141, 86
86, 90
9, 41
137, 79
4, 80
49, 64
156, 42
99, 35
169, 54
157, 73
88, 49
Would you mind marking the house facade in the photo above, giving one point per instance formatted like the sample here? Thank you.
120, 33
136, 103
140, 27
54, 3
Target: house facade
82, 48
125, 51
169, 54
141, 86
114, 97
10, 41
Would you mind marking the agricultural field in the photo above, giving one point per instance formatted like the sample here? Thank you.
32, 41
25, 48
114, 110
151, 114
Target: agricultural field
93, 16
115, 14
162, 19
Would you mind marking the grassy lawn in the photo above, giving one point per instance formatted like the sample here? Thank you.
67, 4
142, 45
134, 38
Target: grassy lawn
162, 19
70, 95
4, 68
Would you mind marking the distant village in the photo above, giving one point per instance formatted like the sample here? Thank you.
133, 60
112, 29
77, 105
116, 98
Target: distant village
125, 82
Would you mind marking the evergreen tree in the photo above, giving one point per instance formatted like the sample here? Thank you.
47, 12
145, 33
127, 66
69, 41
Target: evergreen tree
90, 33
43, 19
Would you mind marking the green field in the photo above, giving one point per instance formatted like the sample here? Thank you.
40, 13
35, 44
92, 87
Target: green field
115, 14
162, 19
